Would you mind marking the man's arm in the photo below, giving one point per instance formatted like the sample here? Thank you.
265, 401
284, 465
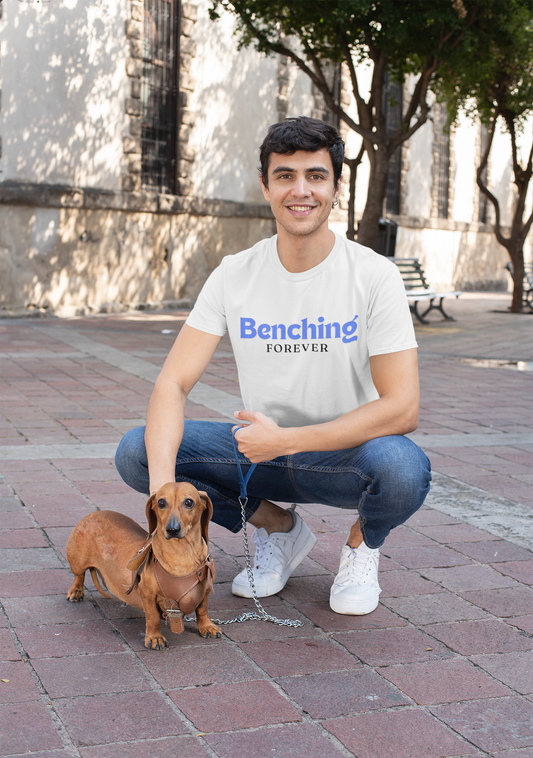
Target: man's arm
183, 367
395, 376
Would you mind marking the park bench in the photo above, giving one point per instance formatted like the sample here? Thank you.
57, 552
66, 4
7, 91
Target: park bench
527, 296
418, 290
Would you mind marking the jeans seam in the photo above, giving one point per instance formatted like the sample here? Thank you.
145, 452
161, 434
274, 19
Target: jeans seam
332, 470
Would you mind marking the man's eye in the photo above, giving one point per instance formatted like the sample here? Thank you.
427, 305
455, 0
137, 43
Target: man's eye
162, 503
188, 503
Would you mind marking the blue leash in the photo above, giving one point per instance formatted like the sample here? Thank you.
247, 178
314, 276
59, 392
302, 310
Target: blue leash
243, 480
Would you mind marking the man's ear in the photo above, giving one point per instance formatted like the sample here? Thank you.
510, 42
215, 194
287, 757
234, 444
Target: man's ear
150, 514
206, 515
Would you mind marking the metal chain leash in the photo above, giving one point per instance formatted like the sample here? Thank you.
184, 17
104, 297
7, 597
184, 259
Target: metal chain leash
261, 614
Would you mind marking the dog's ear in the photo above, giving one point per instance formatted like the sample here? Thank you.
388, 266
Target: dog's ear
206, 515
150, 514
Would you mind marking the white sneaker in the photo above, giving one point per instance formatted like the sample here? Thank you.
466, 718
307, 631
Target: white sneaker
276, 557
355, 590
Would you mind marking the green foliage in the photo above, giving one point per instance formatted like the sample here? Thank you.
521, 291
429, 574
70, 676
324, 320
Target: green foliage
407, 31
496, 72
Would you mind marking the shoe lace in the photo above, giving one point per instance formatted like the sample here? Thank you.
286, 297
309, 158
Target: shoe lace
267, 551
357, 567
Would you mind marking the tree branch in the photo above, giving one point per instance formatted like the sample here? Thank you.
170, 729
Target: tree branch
320, 83
504, 241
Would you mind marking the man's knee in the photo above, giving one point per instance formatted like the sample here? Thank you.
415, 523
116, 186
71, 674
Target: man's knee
131, 461
401, 466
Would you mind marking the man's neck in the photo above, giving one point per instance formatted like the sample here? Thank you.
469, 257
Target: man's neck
298, 254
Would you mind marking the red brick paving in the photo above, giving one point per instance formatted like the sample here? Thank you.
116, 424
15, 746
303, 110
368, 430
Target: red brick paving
513, 669
207, 707
337, 693
166, 747
442, 668
447, 681
118, 717
305, 741
398, 734
491, 725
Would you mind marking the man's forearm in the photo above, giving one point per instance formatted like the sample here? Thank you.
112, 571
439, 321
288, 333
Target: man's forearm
264, 440
164, 431
379, 418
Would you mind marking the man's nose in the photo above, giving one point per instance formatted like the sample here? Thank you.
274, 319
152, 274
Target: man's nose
300, 187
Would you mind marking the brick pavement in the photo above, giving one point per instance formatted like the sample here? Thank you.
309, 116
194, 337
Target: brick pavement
442, 668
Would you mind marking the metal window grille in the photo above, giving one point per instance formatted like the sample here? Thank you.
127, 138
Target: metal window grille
441, 156
335, 79
159, 95
393, 111
483, 199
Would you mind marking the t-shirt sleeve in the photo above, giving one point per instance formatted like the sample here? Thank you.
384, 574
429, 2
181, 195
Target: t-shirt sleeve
390, 325
209, 312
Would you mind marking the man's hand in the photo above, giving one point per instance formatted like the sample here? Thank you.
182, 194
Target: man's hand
262, 439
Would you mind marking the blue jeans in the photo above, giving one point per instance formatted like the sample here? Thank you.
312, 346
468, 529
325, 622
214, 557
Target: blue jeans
386, 479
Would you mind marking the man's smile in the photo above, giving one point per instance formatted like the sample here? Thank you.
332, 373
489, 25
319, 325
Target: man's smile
300, 208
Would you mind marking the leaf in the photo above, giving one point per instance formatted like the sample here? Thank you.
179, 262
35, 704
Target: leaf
4, 680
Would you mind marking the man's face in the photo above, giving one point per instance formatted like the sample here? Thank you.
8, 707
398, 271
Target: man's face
301, 190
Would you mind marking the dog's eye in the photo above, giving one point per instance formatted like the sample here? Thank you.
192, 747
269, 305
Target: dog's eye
188, 503
162, 503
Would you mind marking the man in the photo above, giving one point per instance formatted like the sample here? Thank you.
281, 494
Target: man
326, 354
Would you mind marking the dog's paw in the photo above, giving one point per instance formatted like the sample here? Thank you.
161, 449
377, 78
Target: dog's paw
155, 642
208, 630
75, 596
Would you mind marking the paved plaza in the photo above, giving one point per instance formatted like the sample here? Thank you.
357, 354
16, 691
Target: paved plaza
443, 667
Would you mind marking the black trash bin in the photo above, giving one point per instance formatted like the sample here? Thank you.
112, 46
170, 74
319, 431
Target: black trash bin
385, 242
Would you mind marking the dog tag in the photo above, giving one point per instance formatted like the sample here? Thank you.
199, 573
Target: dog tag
175, 619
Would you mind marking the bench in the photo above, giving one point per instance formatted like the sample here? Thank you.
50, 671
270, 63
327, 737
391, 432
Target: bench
527, 296
418, 290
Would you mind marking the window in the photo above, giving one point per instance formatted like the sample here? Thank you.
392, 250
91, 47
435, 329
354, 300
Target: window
441, 160
159, 95
333, 76
392, 110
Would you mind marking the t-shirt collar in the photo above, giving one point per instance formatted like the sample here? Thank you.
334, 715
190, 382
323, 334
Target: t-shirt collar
302, 275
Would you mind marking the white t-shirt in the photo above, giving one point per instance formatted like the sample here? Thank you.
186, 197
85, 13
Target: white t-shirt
302, 341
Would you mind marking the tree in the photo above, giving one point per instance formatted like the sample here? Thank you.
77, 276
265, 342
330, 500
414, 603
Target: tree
412, 37
499, 89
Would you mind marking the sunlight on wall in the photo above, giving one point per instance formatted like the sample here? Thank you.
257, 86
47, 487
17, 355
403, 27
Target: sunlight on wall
235, 105
63, 91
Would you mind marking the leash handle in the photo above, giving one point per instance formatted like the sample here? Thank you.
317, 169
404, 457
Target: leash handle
243, 480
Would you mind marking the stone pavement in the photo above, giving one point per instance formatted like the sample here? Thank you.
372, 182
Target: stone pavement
443, 667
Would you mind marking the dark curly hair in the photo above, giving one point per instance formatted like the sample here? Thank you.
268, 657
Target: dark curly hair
302, 133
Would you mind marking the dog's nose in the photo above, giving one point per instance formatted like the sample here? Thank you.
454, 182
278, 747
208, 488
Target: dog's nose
173, 528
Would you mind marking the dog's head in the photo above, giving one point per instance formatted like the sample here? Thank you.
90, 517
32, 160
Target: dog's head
176, 508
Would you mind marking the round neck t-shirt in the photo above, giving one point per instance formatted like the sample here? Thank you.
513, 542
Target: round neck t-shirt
302, 341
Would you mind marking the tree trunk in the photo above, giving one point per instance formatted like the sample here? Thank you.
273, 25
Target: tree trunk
353, 164
377, 188
350, 232
516, 253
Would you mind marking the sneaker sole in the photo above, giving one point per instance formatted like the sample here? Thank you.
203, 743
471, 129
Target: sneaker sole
346, 608
274, 587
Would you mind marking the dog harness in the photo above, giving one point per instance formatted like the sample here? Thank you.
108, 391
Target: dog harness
182, 594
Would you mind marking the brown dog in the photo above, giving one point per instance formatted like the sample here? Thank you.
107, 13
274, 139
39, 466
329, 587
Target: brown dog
167, 572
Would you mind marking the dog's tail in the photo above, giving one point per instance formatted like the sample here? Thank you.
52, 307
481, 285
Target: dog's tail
96, 576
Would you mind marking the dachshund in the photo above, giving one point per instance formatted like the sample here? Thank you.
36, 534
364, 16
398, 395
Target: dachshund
166, 573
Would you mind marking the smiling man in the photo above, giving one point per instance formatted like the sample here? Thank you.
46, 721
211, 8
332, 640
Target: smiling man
326, 355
